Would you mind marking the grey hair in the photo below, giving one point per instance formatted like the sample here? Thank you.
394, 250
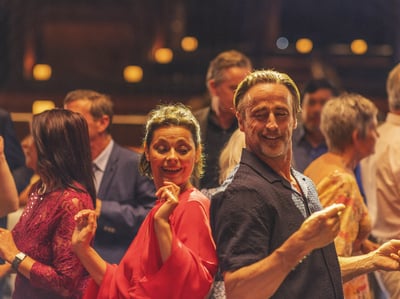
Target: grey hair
100, 104
223, 61
344, 114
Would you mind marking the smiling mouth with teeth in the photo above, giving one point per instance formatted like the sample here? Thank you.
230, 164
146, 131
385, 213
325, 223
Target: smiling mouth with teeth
272, 137
171, 170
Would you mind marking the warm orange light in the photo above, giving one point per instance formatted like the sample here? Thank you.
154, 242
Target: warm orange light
133, 73
42, 72
189, 43
39, 106
359, 46
163, 55
304, 45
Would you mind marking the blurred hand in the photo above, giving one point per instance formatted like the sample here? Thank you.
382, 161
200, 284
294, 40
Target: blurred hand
5, 269
8, 249
85, 229
321, 227
387, 256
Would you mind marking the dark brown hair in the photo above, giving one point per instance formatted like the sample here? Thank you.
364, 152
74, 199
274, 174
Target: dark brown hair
62, 142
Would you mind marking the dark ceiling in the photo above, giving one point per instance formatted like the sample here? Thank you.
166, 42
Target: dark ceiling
88, 43
339, 21
327, 21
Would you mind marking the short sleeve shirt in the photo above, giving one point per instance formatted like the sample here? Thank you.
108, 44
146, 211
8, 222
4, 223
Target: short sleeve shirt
256, 213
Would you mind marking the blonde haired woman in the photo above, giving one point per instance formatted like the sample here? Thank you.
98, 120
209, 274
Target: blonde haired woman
349, 124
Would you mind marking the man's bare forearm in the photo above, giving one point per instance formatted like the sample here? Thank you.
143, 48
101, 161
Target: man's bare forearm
250, 281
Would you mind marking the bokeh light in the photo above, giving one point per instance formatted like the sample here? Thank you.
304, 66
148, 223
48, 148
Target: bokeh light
41, 72
282, 43
304, 45
133, 73
163, 55
189, 43
359, 46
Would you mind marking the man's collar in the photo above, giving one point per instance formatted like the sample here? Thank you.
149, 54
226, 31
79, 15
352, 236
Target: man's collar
102, 159
259, 166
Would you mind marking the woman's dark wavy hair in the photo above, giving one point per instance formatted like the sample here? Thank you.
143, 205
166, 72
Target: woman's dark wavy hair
167, 116
62, 142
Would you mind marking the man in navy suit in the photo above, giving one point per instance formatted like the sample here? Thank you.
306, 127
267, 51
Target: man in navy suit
124, 196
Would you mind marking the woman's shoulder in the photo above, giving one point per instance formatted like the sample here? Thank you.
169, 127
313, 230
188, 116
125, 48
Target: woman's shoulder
194, 195
342, 176
73, 199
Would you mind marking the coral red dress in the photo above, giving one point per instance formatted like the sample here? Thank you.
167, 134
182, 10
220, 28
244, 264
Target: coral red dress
187, 273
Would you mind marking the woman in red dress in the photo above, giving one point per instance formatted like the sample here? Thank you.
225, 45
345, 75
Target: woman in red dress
173, 254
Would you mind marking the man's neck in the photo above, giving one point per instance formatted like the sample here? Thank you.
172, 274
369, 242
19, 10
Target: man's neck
281, 165
98, 145
348, 157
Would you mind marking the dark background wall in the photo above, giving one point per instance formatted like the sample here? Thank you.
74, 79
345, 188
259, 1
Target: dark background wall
88, 43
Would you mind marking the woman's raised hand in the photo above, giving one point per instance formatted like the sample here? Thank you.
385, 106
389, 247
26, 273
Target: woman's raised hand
86, 224
169, 195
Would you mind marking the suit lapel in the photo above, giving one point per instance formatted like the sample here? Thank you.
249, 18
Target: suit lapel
109, 172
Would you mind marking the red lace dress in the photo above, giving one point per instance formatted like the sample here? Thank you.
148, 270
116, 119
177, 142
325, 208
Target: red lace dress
44, 233
186, 274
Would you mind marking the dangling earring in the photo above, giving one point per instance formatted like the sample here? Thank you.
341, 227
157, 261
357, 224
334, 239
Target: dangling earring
42, 189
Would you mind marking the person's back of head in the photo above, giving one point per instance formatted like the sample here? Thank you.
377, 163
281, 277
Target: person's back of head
62, 143
100, 104
344, 114
393, 89
225, 60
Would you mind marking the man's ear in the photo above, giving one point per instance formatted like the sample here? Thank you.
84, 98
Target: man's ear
211, 86
355, 136
104, 122
240, 120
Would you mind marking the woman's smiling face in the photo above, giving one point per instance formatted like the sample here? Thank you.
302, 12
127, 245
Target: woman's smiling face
172, 156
